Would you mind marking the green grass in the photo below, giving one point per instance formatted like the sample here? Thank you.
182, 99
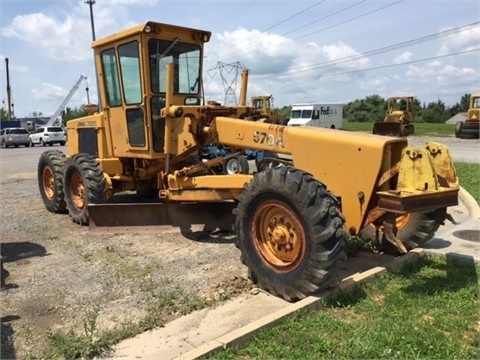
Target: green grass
469, 175
421, 129
428, 310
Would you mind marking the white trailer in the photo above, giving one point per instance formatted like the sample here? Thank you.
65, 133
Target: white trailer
319, 115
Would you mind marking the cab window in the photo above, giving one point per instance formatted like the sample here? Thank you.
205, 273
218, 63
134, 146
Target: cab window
186, 60
130, 70
112, 85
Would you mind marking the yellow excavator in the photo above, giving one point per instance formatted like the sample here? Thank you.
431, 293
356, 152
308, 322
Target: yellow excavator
398, 119
291, 215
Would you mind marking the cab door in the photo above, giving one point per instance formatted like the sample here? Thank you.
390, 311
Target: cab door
122, 75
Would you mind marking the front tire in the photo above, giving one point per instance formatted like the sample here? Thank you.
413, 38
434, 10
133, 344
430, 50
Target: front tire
290, 232
84, 184
50, 180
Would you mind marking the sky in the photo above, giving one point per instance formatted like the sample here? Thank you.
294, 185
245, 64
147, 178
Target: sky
330, 51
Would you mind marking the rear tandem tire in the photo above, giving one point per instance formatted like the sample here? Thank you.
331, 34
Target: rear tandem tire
84, 184
413, 230
290, 232
50, 180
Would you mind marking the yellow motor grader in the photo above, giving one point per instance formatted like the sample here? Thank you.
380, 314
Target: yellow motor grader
265, 111
291, 215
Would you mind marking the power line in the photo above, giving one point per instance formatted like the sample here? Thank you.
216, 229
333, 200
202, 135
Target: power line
384, 49
339, 23
399, 64
324, 17
229, 85
295, 15
351, 19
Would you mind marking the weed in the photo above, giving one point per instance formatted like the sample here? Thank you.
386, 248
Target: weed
356, 244
73, 346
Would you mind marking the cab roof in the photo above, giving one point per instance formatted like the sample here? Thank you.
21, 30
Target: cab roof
155, 28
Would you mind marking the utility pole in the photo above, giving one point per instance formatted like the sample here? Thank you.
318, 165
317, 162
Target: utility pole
91, 3
9, 92
92, 23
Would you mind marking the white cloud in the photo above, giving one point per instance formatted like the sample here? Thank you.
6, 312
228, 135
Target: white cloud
48, 92
440, 74
344, 56
262, 53
403, 57
462, 41
57, 40
375, 85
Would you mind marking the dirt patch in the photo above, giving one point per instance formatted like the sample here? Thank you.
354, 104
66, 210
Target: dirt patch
60, 272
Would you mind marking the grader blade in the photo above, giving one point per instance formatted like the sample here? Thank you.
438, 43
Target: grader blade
152, 216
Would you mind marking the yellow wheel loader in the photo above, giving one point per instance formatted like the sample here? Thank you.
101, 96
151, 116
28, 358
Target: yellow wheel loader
398, 119
291, 215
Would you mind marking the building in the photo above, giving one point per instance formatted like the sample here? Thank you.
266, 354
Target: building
459, 117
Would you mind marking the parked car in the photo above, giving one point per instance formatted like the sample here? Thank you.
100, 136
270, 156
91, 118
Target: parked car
14, 137
48, 136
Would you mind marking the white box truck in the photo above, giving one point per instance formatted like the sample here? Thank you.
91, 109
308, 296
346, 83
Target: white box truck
319, 115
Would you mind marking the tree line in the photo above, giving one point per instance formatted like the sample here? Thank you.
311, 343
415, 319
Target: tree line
370, 109
373, 108
67, 114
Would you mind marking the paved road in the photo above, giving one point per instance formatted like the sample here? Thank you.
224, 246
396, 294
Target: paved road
22, 162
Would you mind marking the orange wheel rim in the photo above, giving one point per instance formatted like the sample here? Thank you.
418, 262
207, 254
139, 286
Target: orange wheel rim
278, 235
402, 220
48, 182
78, 190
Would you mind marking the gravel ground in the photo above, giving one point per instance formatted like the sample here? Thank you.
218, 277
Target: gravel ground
60, 272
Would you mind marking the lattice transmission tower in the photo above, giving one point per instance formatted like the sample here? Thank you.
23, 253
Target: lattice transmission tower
229, 75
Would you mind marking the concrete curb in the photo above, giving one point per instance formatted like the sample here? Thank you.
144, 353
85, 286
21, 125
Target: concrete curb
470, 203
247, 332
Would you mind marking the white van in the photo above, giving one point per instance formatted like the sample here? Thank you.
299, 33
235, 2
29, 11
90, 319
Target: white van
319, 115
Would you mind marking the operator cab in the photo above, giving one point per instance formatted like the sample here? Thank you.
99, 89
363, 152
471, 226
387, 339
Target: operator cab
132, 81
